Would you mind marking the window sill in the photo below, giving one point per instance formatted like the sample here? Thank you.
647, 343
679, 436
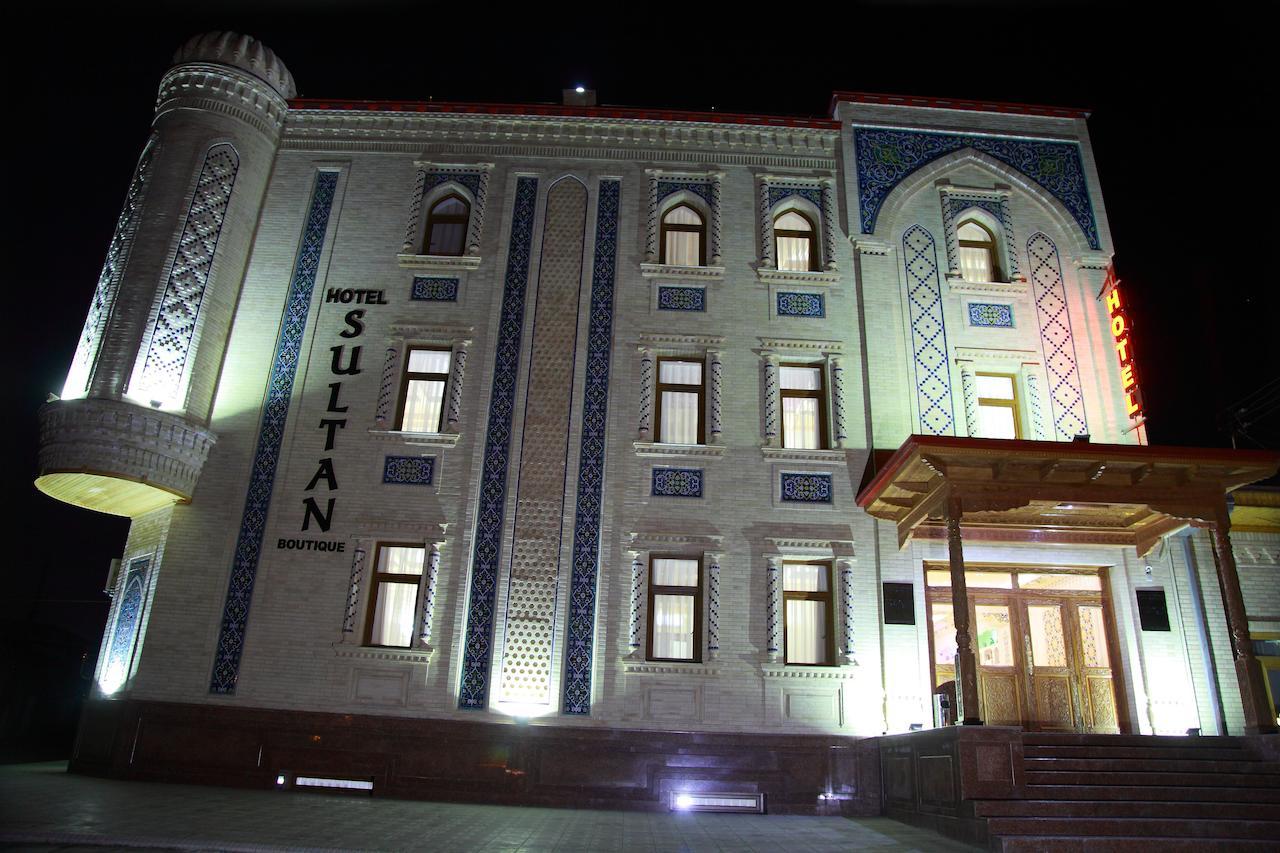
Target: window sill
673, 271
418, 439
418, 655
631, 667
776, 276
439, 262
649, 448
793, 454
779, 670
956, 284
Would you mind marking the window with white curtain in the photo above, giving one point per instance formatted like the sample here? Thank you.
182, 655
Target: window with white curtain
977, 252
997, 405
675, 608
426, 375
807, 621
447, 226
804, 423
684, 237
393, 598
681, 390
796, 242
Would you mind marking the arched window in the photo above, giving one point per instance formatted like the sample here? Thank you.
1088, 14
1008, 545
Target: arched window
978, 258
447, 226
796, 242
684, 237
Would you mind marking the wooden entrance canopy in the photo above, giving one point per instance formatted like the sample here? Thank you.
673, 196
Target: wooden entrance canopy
1069, 493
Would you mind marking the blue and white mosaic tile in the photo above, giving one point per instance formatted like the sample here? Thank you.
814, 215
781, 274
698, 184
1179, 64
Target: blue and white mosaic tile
702, 189
432, 289
266, 457
682, 298
928, 332
886, 157
580, 638
991, 314
477, 651
470, 180
801, 305
806, 488
409, 470
1059, 345
124, 637
811, 194
677, 483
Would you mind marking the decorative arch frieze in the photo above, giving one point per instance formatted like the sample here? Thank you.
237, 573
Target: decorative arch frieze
928, 332
1050, 295
885, 157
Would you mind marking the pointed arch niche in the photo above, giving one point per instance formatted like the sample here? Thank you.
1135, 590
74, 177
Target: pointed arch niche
433, 184
700, 193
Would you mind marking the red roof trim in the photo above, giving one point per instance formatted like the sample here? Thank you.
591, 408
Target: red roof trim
560, 110
958, 104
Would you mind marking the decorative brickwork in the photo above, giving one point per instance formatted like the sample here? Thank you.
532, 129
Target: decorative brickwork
1055, 336
928, 332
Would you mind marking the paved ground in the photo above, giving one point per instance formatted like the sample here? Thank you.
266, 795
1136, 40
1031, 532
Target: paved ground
42, 807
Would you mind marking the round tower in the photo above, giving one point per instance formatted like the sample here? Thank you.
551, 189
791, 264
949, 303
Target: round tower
130, 432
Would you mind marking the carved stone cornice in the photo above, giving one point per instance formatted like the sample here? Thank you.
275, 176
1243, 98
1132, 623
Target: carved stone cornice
774, 276
1008, 290
679, 273
461, 334
417, 439
823, 673
792, 454
668, 668
438, 262
801, 345
220, 89
658, 340
649, 448
1021, 356
647, 540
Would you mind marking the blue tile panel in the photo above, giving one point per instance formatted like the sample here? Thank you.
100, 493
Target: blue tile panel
810, 194
1060, 362
682, 298
470, 180
886, 157
928, 332
801, 305
806, 488
991, 314
473, 693
677, 482
124, 637
702, 189
595, 409
429, 289
409, 470
275, 411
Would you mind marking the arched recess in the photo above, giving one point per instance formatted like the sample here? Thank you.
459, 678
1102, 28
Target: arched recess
693, 201
433, 197
809, 211
995, 230
929, 175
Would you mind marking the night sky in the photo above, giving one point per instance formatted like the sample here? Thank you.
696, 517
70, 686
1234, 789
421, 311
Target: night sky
1178, 127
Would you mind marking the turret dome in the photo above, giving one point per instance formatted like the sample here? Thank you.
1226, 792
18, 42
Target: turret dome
239, 51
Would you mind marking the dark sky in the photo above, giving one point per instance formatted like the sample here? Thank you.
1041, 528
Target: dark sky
1178, 126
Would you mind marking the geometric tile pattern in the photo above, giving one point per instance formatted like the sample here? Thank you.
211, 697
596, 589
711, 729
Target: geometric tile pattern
778, 193
682, 299
677, 483
702, 189
529, 628
885, 157
801, 305
124, 637
429, 289
275, 411
928, 332
990, 314
806, 488
175, 322
104, 295
478, 644
409, 470
580, 637
1050, 295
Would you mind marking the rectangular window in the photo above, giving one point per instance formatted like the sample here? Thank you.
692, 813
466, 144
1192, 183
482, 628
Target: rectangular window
426, 375
675, 608
997, 406
807, 617
393, 597
804, 421
681, 391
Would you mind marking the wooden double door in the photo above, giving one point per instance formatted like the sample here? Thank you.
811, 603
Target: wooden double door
1044, 655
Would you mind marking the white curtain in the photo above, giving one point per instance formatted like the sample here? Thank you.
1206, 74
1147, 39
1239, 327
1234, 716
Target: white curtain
793, 253
670, 572
423, 400
800, 422
683, 248
429, 361
975, 263
806, 631
673, 627
401, 560
680, 409
393, 614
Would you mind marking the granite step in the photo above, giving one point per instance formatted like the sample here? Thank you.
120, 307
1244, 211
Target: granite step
1155, 793
1134, 827
1075, 751
1151, 778
1126, 808
1152, 764
1112, 844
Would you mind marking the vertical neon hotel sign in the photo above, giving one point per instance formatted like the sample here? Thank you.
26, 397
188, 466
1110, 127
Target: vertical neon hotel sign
1121, 336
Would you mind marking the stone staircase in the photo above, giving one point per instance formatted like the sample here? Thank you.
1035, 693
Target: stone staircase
1135, 793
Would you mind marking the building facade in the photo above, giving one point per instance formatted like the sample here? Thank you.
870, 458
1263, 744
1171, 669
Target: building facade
439, 417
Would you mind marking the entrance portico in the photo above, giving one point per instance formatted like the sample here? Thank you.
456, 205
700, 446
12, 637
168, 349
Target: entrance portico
1068, 494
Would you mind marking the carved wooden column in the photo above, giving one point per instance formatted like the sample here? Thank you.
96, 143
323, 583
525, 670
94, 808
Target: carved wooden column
1258, 717
645, 426
966, 663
